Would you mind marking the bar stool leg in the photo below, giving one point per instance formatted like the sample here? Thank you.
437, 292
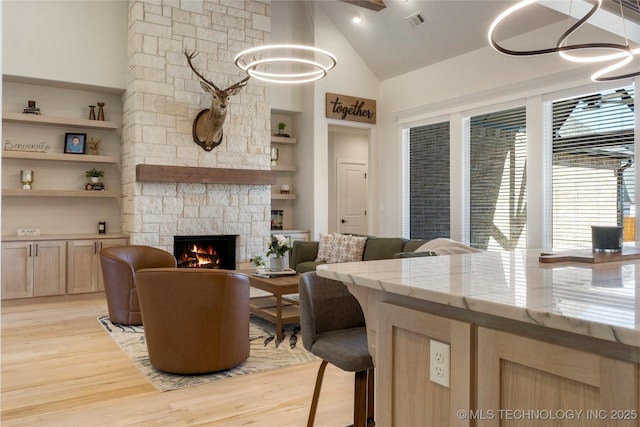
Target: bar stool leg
370, 398
360, 400
316, 394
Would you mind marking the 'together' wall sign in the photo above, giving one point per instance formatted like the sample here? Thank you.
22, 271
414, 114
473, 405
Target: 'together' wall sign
345, 107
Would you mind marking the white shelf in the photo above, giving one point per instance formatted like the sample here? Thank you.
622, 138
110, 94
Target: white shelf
283, 168
282, 140
36, 119
17, 192
85, 158
275, 196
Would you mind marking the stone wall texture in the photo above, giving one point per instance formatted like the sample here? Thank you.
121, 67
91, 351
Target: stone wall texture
162, 99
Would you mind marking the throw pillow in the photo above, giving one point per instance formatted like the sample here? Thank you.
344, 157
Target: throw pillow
325, 246
347, 248
443, 246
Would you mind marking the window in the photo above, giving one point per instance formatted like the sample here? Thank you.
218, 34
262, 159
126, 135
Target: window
429, 196
593, 166
497, 180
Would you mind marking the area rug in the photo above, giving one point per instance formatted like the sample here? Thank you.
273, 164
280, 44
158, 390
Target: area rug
266, 353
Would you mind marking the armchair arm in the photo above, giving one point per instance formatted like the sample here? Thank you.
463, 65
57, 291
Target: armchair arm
302, 251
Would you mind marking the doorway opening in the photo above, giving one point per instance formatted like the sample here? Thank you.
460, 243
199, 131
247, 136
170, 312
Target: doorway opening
348, 180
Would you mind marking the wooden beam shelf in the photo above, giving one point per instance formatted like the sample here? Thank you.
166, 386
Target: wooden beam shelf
36, 119
18, 192
85, 158
202, 175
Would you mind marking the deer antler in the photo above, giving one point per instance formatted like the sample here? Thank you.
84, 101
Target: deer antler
192, 55
240, 84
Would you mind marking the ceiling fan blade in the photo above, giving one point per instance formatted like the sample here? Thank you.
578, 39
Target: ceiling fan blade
375, 5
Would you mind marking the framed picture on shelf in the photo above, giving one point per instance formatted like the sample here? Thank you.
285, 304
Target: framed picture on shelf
75, 143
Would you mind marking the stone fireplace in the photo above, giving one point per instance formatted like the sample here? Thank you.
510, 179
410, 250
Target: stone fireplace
162, 99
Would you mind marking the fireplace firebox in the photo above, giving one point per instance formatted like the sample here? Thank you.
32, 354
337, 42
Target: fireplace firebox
214, 251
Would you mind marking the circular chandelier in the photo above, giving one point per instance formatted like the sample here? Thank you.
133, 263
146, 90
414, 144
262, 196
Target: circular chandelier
622, 53
259, 61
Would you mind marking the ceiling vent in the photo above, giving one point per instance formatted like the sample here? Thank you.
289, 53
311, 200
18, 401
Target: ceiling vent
415, 19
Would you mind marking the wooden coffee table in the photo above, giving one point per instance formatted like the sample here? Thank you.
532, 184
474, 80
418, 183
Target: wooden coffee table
275, 308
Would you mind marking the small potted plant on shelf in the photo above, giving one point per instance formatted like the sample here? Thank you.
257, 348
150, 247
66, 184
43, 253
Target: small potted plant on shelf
281, 127
94, 174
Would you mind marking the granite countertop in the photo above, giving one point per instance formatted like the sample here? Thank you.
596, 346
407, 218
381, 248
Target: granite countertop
596, 300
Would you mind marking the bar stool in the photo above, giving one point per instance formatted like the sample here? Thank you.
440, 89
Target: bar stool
333, 328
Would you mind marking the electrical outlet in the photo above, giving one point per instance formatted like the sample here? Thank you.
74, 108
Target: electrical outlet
439, 362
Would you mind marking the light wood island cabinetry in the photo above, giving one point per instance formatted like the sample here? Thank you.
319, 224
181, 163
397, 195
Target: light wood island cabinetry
529, 379
530, 344
404, 338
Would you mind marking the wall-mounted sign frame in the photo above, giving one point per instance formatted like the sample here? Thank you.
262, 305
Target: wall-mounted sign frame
344, 107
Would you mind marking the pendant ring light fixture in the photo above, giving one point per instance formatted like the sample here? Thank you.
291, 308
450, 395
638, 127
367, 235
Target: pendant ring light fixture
257, 60
623, 54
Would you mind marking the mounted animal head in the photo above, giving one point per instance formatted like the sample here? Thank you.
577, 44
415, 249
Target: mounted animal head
207, 126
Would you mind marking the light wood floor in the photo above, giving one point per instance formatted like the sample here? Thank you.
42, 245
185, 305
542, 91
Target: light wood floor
59, 368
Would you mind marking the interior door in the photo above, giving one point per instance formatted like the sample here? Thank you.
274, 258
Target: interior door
352, 197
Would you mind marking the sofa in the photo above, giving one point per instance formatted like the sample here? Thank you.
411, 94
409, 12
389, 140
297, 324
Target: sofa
302, 257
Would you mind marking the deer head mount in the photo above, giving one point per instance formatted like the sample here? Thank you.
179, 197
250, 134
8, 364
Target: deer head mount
207, 126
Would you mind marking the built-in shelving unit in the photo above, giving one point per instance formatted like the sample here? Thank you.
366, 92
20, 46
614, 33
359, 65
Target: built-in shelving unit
282, 140
59, 201
57, 193
37, 119
283, 196
86, 158
282, 168
284, 191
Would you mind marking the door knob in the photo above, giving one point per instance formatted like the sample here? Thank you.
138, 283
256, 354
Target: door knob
343, 221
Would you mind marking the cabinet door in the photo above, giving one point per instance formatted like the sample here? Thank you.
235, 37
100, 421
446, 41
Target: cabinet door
17, 270
405, 394
522, 374
49, 267
105, 243
82, 266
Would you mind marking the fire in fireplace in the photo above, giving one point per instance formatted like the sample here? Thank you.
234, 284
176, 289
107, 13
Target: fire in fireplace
205, 251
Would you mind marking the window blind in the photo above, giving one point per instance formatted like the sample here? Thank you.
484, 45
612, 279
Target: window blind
593, 165
497, 180
429, 188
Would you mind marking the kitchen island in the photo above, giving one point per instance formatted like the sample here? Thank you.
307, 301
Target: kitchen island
530, 344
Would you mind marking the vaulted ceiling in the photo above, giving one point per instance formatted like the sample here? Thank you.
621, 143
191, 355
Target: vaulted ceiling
390, 45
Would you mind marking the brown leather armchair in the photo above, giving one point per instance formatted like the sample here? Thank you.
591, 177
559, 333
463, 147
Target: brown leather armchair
195, 320
119, 264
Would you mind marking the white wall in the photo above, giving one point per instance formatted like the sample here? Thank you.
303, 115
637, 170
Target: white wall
84, 42
314, 159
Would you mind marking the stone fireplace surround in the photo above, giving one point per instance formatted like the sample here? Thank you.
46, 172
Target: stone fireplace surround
163, 97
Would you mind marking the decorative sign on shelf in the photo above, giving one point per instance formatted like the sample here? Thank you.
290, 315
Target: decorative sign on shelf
351, 108
37, 147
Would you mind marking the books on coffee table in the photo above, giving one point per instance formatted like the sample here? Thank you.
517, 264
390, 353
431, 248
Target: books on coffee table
268, 274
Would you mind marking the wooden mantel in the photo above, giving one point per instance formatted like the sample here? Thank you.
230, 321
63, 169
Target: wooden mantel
191, 174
